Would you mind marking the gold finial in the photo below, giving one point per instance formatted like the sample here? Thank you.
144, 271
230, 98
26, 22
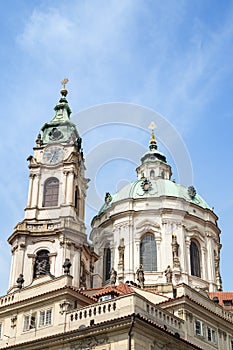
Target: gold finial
152, 126
63, 91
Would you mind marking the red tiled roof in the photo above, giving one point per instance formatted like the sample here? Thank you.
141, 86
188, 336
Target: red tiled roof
121, 289
223, 296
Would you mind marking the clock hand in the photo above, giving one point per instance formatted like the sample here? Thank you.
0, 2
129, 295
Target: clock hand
52, 157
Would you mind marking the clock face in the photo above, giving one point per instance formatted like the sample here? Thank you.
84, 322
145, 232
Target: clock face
53, 155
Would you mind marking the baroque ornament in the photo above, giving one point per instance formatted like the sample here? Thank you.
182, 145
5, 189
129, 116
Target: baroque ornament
192, 192
146, 185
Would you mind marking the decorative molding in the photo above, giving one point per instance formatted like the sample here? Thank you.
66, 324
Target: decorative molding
13, 321
43, 240
153, 225
89, 342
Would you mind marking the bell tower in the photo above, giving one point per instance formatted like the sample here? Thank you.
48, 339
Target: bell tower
53, 229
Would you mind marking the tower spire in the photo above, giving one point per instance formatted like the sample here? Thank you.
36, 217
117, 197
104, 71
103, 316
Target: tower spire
153, 142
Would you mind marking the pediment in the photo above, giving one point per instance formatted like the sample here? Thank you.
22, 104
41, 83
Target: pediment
148, 225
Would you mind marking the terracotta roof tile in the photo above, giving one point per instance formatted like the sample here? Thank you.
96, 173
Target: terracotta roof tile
222, 296
121, 289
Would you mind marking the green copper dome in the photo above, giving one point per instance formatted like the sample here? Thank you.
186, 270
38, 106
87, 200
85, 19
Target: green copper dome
154, 189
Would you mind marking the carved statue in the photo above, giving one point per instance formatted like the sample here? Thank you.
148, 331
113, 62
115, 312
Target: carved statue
113, 275
175, 252
83, 278
121, 249
217, 270
66, 266
20, 281
41, 267
168, 274
140, 276
192, 192
107, 198
79, 143
175, 247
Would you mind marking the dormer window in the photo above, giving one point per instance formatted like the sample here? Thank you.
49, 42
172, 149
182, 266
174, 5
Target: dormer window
227, 303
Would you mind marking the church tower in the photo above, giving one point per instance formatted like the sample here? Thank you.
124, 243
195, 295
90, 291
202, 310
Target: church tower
52, 237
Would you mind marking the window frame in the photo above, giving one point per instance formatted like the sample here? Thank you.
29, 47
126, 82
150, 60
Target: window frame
211, 335
201, 333
46, 319
51, 190
31, 321
151, 255
1, 330
195, 259
107, 257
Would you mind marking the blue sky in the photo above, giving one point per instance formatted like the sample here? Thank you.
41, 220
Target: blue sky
173, 57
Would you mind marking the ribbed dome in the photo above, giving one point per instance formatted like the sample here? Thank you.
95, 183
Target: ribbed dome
154, 189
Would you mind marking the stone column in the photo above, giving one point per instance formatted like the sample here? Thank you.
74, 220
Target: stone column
210, 260
65, 174
203, 262
32, 261
159, 255
13, 270
121, 251
187, 255
31, 177
137, 253
131, 248
76, 266
52, 257
35, 190
70, 188
19, 261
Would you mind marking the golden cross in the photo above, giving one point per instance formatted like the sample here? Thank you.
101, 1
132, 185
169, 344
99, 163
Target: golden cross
64, 82
152, 126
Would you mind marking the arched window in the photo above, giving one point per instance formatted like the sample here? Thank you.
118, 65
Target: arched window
107, 264
152, 174
51, 189
195, 259
42, 264
148, 255
76, 198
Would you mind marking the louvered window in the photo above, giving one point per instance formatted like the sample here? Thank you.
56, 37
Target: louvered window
51, 189
148, 254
